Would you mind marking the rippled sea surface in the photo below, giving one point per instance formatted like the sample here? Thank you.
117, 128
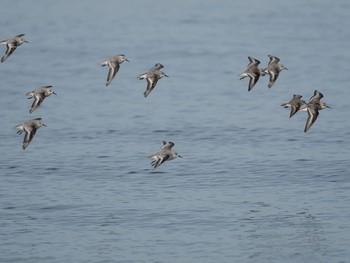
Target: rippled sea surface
251, 186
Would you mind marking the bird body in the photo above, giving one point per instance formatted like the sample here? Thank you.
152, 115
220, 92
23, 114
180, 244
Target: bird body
273, 69
29, 127
253, 72
164, 154
295, 104
39, 95
11, 45
313, 109
152, 76
114, 64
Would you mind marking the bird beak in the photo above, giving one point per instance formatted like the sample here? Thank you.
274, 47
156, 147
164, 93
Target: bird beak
127, 60
179, 156
328, 107
54, 93
44, 125
165, 75
26, 41
285, 68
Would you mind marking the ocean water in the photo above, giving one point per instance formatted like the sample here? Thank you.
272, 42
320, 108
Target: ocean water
251, 186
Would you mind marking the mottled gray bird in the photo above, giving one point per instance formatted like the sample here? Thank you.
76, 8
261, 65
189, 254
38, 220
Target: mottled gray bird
39, 95
114, 64
11, 45
295, 103
29, 127
152, 76
164, 154
253, 72
273, 69
313, 107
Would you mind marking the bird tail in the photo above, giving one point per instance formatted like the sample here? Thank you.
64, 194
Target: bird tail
142, 76
104, 63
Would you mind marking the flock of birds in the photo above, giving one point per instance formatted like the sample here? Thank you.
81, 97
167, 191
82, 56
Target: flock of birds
313, 106
152, 76
165, 153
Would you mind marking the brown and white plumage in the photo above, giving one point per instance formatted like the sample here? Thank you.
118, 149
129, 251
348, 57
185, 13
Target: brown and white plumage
164, 154
273, 69
39, 95
152, 76
253, 72
114, 64
313, 107
295, 103
11, 45
29, 127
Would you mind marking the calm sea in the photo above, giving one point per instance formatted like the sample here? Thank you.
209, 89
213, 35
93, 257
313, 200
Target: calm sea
251, 187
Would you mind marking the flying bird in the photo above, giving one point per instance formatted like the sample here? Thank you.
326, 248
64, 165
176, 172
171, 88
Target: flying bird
152, 76
253, 72
295, 104
39, 95
29, 127
114, 64
164, 154
11, 45
273, 69
313, 107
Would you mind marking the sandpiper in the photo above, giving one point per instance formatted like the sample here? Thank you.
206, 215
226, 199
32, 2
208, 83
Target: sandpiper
273, 69
313, 107
295, 103
152, 76
39, 95
11, 45
164, 154
114, 64
29, 127
253, 72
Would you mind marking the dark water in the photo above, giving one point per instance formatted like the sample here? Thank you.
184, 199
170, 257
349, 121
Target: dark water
252, 186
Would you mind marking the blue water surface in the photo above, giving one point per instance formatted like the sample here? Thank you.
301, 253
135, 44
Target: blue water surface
251, 186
